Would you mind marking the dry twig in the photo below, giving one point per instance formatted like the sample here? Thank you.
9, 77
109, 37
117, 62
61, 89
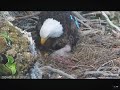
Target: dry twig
78, 15
84, 33
57, 71
111, 77
104, 65
108, 20
77, 66
96, 13
28, 16
80, 18
109, 68
99, 73
92, 13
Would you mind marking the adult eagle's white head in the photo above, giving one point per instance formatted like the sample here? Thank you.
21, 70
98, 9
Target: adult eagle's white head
50, 29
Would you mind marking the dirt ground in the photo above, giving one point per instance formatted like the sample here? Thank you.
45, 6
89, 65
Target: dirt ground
96, 55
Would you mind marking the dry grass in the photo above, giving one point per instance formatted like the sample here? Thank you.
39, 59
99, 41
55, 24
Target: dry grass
89, 54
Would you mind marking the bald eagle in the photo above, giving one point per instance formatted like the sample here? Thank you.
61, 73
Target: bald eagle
55, 30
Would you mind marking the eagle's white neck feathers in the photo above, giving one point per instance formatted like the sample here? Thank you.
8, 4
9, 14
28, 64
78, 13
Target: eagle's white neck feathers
51, 28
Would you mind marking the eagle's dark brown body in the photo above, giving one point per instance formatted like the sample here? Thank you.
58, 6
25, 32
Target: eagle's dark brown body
70, 35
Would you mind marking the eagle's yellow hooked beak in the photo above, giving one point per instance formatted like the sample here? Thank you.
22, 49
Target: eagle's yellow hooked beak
43, 40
